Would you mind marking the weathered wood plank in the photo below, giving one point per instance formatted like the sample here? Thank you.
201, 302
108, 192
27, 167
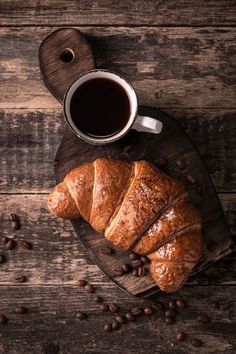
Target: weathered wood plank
58, 257
169, 67
29, 140
134, 12
51, 322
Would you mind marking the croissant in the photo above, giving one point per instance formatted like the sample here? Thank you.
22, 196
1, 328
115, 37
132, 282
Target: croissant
137, 207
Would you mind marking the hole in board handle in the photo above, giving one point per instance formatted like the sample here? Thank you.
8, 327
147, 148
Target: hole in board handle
67, 56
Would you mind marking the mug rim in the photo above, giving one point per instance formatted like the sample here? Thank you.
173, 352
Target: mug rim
87, 138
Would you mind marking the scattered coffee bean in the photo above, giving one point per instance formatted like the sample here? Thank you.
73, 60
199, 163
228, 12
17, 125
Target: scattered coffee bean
98, 299
158, 306
2, 259
203, 318
136, 263
135, 272
81, 315
162, 161
21, 279
170, 313
201, 190
180, 336
126, 268
180, 164
191, 179
103, 307
3, 319
120, 319
129, 316
196, 342
142, 271
108, 251
113, 307
115, 325
82, 283
25, 245
148, 311
134, 256
89, 288
136, 311
172, 304
20, 310
145, 260
15, 224
107, 327
180, 303
169, 320
118, 272
10, 244
5, 239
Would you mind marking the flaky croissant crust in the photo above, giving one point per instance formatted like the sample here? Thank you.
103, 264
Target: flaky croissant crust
137, 207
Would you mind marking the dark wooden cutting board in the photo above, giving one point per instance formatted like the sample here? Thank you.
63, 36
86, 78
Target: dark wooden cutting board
63, 56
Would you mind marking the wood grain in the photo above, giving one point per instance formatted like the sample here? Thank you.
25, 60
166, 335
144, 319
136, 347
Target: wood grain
29, 140
169, 67
58, 258
133, 12
51, 323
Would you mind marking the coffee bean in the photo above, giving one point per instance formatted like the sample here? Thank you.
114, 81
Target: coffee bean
196, 342
145, 260
134, 256
158, 306
81, 315
126, 268
120, 319
98, 299
2, 259
5, 239
162, 161
169, 320
191, 179
142, 271
180, 336
180, 164
10, 244
82, 283
21, 279
107, 327
118, 272
201, 190
136, 263
89, 288
180, 303
25, 245
148, 311
20, 310
3, 319
135, 272
170, 313
115, 325
113, 307
136, 311
103, 307
129, 316
15, 224
108, 251
172, 304
203, 318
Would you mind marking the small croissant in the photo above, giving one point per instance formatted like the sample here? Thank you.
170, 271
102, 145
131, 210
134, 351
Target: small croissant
137, 207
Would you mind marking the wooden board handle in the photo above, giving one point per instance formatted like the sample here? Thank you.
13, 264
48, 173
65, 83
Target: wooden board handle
63, 56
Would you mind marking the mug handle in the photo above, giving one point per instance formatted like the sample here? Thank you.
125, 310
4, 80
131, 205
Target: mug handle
147, 125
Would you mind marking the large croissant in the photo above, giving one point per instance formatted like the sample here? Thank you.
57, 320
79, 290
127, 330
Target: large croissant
136, 207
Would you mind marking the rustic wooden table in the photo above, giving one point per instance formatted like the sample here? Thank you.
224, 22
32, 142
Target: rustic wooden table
180, 56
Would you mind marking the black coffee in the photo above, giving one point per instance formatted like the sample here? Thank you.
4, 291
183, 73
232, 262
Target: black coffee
100, 108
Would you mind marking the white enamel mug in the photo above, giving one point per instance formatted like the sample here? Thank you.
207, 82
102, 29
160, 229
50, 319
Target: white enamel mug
139, 123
